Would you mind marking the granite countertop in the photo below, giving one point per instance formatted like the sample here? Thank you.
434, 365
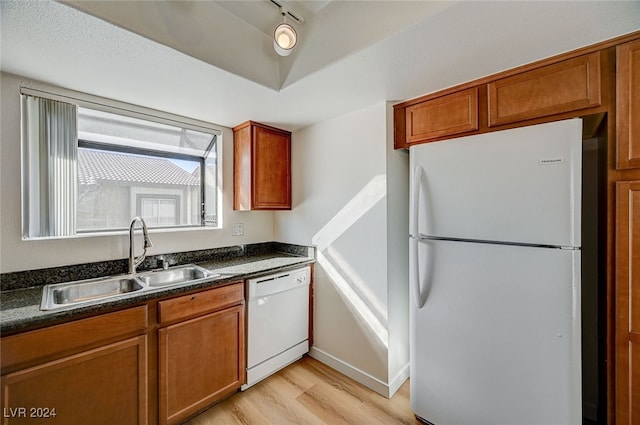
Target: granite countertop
20, 308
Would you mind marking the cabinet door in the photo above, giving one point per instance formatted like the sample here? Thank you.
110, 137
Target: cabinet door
561, 87
627, 303
628, 105
443, 116
104, 386
271, 169
201, 360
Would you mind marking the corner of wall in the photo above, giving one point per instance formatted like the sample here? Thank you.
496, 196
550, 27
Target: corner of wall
321, 197
397, 162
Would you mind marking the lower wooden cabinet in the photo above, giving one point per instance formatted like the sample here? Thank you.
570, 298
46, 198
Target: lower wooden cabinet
627, 299
201, 360
103, 386
88, 371
105, 369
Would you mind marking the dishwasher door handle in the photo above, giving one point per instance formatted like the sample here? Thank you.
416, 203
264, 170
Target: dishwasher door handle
270, 279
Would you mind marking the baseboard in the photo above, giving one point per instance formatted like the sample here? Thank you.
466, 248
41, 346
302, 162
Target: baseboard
357, 375
398, 380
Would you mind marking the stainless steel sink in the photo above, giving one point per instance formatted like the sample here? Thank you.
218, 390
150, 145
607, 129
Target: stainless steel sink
71, 293
175, 276
67, 294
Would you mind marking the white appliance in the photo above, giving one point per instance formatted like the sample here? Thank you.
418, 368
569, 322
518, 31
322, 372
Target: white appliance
495, 275
278, 322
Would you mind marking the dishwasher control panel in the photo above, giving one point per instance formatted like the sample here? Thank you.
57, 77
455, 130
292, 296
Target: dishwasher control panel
301, 277
275, 283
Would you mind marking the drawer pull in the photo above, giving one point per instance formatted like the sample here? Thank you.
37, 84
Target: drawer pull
199, 303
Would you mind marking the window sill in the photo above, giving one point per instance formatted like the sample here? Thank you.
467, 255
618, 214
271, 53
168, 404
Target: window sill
126, 233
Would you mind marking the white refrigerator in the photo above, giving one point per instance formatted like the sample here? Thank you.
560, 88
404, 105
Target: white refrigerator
495, 277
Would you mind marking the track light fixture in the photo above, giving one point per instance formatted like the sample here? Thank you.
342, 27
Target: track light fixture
284, 37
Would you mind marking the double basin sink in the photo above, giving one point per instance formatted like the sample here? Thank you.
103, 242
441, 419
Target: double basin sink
72, 293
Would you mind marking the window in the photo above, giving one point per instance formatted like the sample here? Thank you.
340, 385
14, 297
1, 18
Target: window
88, 168
159, 211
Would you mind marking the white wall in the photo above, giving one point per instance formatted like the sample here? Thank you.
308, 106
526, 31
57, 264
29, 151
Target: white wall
397, 258
16, 254
341, 204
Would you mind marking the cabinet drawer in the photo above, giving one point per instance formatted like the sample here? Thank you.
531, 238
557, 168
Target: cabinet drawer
553, 89
200, 302
54, 341
443, 116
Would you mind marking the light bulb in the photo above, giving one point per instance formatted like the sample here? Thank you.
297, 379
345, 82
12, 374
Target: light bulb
284, 39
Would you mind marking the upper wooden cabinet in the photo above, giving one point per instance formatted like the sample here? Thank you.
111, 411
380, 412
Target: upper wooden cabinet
553, 89
443, 116
628, 105
261, 167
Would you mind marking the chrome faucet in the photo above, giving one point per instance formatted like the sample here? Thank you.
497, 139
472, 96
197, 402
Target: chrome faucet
135, 262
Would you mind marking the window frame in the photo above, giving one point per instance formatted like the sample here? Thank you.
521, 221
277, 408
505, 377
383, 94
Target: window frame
88, 144
89, 101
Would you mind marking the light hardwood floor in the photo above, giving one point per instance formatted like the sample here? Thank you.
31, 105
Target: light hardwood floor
309, 393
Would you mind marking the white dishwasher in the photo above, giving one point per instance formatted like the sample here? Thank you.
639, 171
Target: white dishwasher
278, 322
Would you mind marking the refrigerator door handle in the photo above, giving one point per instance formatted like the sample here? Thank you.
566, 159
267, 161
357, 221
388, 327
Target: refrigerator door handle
414, 241
415, 198
415, 273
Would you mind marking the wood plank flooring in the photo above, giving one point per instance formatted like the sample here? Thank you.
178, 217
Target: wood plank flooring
309, 393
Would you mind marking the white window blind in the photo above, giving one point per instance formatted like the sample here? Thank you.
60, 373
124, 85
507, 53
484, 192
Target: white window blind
86, 161
49, 174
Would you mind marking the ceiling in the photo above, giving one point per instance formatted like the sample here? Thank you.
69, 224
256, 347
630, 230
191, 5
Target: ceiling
214, 60
237, 36
260, 14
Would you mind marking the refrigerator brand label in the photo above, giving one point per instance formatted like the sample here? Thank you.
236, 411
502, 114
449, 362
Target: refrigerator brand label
550, 161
